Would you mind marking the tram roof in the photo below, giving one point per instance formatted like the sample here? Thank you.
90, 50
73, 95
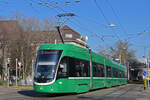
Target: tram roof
70, 47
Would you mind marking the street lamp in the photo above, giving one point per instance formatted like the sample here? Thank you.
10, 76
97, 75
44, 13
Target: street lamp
112, 25
117, 59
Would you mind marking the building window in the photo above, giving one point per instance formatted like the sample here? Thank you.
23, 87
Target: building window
68, 35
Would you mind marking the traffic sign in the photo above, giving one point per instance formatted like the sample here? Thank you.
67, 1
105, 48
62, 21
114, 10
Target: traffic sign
145, 73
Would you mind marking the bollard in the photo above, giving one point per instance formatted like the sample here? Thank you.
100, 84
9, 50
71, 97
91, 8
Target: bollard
145, 84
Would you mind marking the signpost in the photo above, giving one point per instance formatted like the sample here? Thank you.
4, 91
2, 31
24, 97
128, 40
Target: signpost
145, 74
8, 74
8, 68
146, 78
16, 72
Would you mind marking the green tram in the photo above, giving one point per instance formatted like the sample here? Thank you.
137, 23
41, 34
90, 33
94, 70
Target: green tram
66, 68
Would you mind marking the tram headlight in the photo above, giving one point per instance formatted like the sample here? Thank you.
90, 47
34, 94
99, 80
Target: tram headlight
60, 82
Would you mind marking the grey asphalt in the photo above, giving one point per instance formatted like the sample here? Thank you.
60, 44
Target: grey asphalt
125, 92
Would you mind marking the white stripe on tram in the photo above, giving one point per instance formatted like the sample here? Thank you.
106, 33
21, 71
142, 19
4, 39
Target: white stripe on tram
98, 77
79, 78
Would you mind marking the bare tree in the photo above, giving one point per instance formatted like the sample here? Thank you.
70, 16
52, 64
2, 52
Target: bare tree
22, 47
3, 44
49, 24
28, 23
31, 23
27, 35
119, 51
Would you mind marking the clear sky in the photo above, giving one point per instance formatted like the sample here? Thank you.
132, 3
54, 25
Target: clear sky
130, 17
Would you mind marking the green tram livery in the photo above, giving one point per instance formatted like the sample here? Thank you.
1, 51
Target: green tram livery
66, 68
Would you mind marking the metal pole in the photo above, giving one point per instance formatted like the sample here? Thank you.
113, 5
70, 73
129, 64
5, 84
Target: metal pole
23, 70
16, 72
128, 69
90, 59
148, 71
144, 52
32, 69
120, 56
8, 77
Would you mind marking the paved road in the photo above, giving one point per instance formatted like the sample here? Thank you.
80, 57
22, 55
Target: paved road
125, 92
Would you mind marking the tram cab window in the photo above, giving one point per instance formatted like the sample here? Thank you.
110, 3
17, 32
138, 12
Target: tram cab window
62, 70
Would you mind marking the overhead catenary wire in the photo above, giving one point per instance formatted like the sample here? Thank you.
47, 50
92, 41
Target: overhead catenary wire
83, 28
56, 10
116, 15
117, 18
59, 9
31, 5
101, 11
105, 18
129, 36
81, 25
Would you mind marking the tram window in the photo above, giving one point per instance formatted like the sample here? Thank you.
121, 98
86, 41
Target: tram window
115, 73
94, 70
108, 69
124, 76
101, 70
72, 66
78, 68
87, 68
98, 70
119, 74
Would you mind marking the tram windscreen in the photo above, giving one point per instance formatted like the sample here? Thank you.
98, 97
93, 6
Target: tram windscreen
46, 65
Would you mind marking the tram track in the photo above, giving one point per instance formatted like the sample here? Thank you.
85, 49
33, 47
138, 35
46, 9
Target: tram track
108, 92
105, 92
119, 92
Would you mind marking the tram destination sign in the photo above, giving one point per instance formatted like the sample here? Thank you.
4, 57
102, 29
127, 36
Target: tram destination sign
49, 52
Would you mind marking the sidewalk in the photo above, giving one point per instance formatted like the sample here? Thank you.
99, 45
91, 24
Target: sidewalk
21, 87
5, 90
146, 90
